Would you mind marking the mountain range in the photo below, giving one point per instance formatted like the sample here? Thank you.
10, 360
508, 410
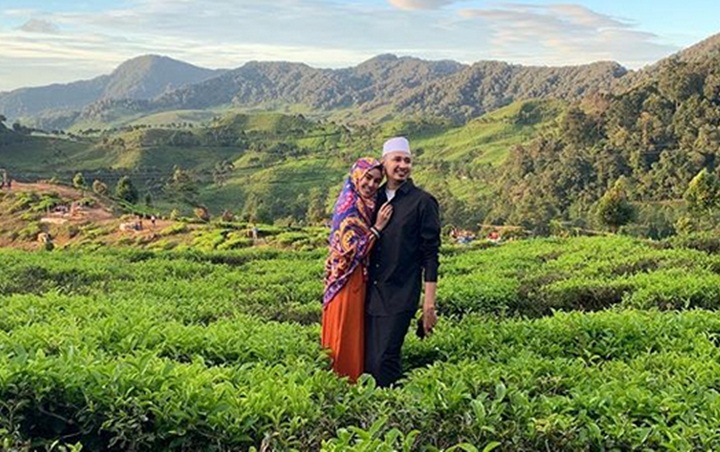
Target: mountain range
144, 77
272, 141
382, 87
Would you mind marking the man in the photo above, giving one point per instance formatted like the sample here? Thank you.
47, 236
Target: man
405, 249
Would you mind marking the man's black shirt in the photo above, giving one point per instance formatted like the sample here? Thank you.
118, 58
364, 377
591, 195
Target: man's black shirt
408, 245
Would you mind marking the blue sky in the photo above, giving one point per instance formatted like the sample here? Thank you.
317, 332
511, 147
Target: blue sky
53, 41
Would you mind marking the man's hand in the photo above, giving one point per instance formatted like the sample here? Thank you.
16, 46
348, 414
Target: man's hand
429, 319
429, 314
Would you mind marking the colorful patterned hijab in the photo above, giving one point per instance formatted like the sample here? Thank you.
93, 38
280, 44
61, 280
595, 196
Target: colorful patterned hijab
350, 236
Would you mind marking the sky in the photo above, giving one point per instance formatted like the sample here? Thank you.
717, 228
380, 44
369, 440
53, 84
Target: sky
59, 41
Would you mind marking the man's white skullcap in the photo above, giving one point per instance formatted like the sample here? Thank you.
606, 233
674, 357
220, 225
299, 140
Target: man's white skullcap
397, 144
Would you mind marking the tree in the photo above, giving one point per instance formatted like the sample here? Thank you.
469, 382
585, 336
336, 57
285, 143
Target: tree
613, 208
578, 128
78, 181
21, 129
702, 193
703, 197
126, 191
99, 187
316, 200
183, 185
202, 213
222, 171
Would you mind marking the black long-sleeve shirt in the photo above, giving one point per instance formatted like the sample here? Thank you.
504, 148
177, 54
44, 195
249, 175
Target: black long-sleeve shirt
408, 245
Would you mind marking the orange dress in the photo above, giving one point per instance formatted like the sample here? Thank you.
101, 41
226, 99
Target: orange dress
343, 327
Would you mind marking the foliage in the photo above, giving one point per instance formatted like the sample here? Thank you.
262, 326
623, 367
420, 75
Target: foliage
99, 187
218, 350
613, 208
201, 212
657, 135
78, 181
703, 193
126, 191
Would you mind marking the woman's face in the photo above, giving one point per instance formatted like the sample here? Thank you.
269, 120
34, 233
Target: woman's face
369, 183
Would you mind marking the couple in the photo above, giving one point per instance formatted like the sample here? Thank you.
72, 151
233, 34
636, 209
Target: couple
374, 272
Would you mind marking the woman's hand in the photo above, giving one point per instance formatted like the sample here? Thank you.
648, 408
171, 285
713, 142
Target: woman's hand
383, 216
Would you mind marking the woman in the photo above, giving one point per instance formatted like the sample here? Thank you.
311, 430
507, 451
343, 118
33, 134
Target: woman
351, 239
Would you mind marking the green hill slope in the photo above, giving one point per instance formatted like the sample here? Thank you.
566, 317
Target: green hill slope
275, 165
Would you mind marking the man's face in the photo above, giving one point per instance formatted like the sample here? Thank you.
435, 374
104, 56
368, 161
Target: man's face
398, 166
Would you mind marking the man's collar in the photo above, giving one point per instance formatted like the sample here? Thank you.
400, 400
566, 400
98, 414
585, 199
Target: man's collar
403, 188
406, 186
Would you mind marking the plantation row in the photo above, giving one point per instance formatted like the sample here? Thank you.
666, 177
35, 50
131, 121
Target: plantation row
185, 350
528, 278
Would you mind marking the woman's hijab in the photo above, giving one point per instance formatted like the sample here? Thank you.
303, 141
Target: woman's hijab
350, 232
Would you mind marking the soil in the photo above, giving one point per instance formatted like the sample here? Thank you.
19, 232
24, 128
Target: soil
60, 221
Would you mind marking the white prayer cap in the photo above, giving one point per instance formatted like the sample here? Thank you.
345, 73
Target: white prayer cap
397, 144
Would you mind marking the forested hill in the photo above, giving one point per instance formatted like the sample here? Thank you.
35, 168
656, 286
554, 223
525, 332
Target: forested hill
401, 85
385, 86
486, 86
535, 164
648, 143
539, 164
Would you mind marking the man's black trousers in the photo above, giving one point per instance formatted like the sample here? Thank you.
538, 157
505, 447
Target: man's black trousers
384, 338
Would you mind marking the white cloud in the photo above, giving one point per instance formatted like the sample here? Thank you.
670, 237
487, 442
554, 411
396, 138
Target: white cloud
321, 33
420, 4
40, 26
566, 34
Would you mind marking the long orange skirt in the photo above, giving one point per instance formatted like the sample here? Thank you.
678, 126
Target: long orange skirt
343, 327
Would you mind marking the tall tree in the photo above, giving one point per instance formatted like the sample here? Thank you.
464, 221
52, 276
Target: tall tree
703, 194
126, 191
222, 171
316, 200
183, 184
79, 181
613, 208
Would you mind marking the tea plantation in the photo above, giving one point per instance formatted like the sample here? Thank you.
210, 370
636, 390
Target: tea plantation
605, 343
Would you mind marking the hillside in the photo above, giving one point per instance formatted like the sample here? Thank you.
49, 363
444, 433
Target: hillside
489, 85
650, 142
536, 164
266, 167
44, 215
383, 87
142, 77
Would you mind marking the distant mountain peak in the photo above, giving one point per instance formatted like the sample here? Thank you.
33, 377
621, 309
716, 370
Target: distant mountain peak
147, 76
143, 77
149, 62
383, 57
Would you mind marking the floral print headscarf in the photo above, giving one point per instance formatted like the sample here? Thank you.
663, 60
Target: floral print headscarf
350, 236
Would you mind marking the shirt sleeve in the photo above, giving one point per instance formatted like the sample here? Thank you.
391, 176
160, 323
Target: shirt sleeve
430, 238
